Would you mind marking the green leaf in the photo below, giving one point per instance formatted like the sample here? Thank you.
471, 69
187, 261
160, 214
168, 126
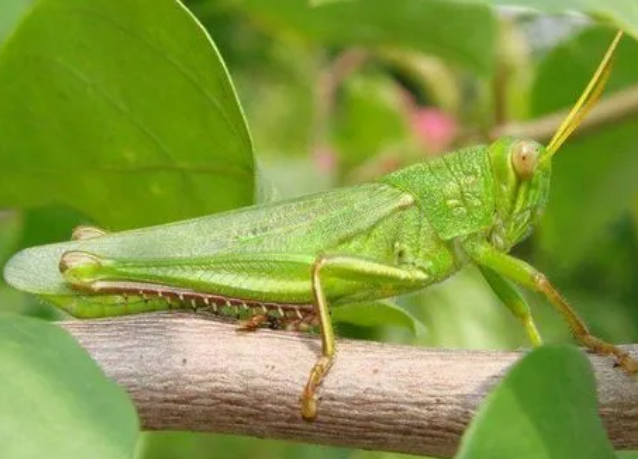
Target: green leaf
545, 408
10, 12
122, 111
461, 33
55, 401
623, 13
377, 314
593, 181
373, 119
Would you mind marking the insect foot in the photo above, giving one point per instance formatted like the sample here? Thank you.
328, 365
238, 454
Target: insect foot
623, 359
627, 363
79, 268
253, 323
309, 407
309, 397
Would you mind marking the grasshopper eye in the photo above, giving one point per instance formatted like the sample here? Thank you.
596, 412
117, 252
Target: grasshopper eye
524, 159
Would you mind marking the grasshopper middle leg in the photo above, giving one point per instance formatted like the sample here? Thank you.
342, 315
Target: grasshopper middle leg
351, 268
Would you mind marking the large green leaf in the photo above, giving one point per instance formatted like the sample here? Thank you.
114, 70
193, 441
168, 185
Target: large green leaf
122, 110
461, 33
545, 408
593, 179
54, 400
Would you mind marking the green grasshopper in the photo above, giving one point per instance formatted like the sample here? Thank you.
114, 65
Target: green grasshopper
287, 263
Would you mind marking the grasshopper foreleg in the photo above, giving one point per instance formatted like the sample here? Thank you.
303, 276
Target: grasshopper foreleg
519, 271
514, 302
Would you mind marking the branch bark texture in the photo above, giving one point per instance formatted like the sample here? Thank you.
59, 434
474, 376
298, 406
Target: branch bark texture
617, 107
188, 372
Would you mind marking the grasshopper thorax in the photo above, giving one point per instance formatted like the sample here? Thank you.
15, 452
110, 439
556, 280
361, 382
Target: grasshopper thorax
521, 187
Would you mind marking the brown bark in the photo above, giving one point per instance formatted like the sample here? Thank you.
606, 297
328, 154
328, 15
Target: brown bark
188, 372
615, 108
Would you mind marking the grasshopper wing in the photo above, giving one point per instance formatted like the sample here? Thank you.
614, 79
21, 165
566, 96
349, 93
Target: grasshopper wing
307, 225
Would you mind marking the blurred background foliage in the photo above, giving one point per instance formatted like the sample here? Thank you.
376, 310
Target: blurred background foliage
344, 92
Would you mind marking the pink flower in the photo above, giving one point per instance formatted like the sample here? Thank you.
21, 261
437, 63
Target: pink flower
325, 159
434, 128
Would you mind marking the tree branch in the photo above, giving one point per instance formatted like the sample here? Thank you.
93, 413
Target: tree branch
188, 372
613, 108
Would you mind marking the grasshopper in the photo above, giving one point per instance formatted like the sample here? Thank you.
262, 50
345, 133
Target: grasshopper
287, 263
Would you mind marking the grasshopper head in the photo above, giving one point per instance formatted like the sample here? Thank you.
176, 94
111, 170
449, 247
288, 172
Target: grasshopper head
522, 168
521, 176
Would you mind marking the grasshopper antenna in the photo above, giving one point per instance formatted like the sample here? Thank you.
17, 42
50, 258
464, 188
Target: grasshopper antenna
587, 100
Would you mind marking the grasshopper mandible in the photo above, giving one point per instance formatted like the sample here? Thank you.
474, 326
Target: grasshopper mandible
287, 263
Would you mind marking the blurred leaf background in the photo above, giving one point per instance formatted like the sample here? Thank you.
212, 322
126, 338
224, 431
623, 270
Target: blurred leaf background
333, 93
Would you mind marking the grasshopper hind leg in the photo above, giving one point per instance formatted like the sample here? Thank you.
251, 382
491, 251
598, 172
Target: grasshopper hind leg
259, 321
87, 272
